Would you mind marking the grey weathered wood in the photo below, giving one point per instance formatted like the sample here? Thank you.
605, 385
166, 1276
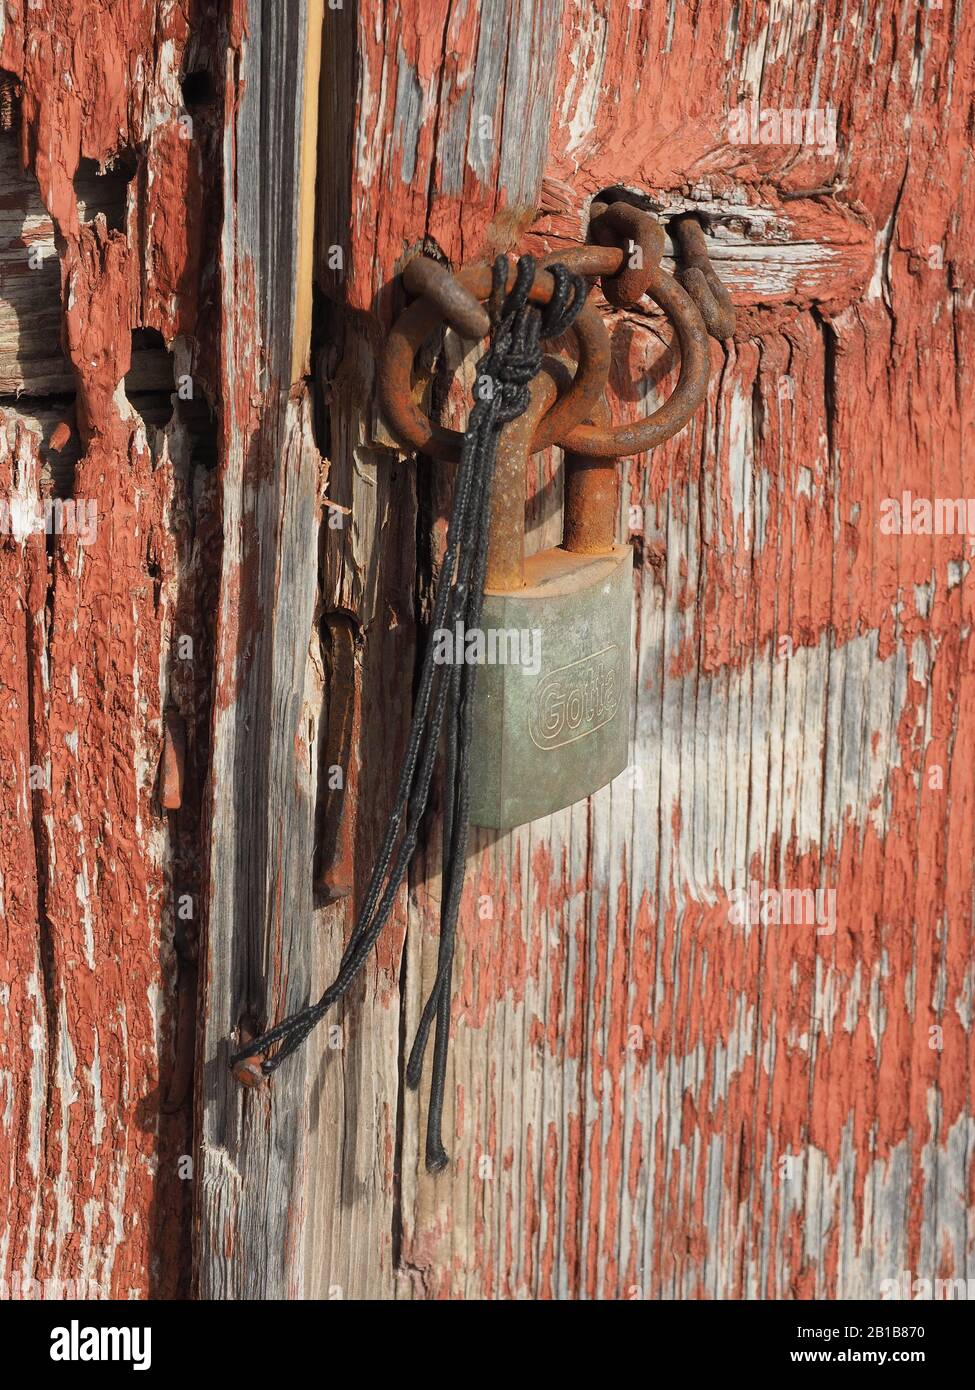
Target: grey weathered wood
612, 916
359, 1223
258, 938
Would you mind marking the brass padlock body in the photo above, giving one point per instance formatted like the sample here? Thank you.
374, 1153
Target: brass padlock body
545, 739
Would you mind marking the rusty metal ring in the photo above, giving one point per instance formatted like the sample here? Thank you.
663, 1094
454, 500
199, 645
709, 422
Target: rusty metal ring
457, 306
687, 396
627, 286
419, 321
692, 384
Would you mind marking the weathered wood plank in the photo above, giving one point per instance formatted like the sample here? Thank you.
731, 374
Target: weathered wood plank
259, 939
95, 1117
645, 1097
443, 153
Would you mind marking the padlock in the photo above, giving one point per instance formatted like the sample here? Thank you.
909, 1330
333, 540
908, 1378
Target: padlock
551, 726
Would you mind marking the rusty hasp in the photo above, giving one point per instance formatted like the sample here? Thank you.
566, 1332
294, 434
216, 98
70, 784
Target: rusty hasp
624, 255
559, 730
513, 747
542, 743
424, 317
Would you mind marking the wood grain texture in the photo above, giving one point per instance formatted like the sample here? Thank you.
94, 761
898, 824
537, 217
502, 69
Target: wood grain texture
647, 1099
442, 155
258, 945
94, 980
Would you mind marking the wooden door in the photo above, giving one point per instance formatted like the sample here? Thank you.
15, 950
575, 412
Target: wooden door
658, 1086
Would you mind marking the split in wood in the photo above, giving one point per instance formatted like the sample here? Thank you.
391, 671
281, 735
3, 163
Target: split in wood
8, 101
337, 830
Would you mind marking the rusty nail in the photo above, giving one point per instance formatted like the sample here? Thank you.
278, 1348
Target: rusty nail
248, 1070
173, 761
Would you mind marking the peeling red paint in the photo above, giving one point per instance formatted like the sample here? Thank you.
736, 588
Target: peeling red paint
770, 591
803, 676
93, 932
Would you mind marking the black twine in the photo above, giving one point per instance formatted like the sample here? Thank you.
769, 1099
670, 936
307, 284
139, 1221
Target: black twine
445, 692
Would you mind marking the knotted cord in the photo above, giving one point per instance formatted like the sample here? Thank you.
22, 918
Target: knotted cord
445, 692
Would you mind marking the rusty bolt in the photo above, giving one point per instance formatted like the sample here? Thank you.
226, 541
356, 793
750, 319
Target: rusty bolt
248, 1072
